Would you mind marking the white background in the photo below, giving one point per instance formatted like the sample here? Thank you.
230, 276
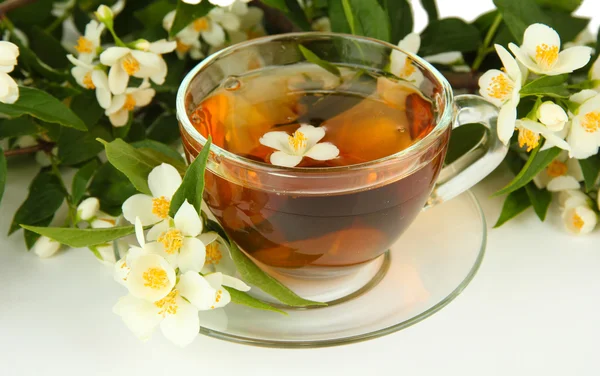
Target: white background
531, 310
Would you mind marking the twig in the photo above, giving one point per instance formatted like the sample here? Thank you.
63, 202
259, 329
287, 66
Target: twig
42, 146
9, 5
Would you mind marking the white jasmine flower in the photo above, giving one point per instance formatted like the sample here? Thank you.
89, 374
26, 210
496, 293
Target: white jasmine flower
45, 247
150, 277
123, 104
88, 208
218, 258
401, 65
217, 281
580, 219
92, 77
211, 31
540, 52
530, 132
177, 240
187, 40
163, 180
117, 7
125, 62
552, 116
322, 24
571, 198
502, 89
584, 135
9, 90
303, 143
562, 174
176, 313
89, 43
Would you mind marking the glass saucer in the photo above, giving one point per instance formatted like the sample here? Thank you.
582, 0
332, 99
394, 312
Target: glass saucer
434, 260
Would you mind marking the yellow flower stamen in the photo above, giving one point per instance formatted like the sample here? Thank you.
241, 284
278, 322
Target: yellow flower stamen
213, 254
129, 104
130, 64
87, 81
160, 207
156, 278
84, 45
297, 141
500, 87
556, 168
219, 293
546, 55
201, 24
408, 69
577, 221
529, 139
591, 122
168, 304
172, 240
182, 47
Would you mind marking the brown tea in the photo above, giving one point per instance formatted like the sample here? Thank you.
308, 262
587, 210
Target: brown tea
365, 115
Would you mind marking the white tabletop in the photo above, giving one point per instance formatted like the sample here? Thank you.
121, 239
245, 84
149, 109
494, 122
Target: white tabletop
532, 309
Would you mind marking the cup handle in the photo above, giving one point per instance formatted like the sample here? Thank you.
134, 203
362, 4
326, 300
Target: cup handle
480, 161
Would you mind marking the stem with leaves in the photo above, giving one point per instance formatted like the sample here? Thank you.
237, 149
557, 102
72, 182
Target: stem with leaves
485, 48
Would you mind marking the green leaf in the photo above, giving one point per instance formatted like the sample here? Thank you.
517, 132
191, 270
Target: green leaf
30, 61
552, 86
112, 188
136, 164
538, 160
164, 129
564, 5
567, 26
43, 106
240, 297
163, 149
449, 34
48, 49
192, 186
46, 195
75, 146
590, 168
540, 199
3, 172
313, 58
21, 126
339, 23
519, 14
255, 276
367, 18
85, 105
77, 237
292, 9
187, 13
82, 178
400, 18
153, 14
516, 203
463, 139
431, 9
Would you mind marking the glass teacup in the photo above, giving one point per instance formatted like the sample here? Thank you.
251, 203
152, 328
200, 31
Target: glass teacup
317, 223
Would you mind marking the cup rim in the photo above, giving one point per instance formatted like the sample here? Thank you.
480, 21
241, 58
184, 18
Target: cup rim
444, 120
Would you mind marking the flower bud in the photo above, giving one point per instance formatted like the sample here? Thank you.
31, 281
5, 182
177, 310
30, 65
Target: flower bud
45, 247
579, 219
141, 44
552, 116
572, 197
88, 208
106, 254
104, 220
105, 15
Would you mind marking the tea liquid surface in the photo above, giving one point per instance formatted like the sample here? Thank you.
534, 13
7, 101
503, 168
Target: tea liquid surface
366, 116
